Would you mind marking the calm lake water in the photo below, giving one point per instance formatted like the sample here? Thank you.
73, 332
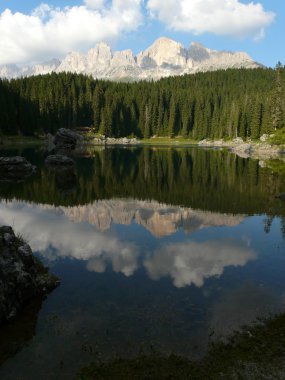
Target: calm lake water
157, 249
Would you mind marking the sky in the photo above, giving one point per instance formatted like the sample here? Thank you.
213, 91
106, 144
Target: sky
32, 31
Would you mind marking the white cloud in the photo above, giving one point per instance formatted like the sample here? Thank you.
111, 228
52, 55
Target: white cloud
95, 4
221, 17
192, 262
52, 32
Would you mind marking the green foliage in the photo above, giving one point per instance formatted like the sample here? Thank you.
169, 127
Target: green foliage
278, 138
220, 104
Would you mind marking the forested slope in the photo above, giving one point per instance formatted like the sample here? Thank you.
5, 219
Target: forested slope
230, 103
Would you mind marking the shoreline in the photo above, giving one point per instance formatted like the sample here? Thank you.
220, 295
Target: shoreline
257, 149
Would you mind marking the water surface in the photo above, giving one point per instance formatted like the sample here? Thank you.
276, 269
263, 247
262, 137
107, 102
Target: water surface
157, 249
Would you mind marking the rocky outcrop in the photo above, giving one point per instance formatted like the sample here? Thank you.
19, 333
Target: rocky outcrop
164, 52
165, 57
15, 168
22, 276
255, 149
65, 139
102, 140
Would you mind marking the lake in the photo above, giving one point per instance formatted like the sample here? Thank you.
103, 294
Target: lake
158, 249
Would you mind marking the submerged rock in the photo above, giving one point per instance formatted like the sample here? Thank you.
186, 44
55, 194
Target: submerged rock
22, 276
15, 168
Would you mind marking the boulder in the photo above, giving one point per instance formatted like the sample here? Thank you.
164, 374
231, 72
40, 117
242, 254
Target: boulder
22, 276
264, 137
15, 168
238, 140
50, 142
65, 139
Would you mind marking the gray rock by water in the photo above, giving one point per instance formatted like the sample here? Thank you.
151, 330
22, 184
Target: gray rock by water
22, 276
15, 168
65, 139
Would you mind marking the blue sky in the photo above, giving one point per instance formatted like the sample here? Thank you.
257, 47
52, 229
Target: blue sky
33, 32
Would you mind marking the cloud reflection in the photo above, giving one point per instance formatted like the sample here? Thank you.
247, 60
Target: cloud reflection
50, 232
192, 262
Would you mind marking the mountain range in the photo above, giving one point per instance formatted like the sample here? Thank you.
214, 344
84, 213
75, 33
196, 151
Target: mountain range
165, 57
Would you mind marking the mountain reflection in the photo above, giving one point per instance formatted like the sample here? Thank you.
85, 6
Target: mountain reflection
86, 233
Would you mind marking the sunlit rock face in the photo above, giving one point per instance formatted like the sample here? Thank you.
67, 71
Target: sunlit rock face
205, 59
74, 60
165, 57
164, 51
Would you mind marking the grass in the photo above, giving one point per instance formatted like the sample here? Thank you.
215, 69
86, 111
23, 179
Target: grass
20, 140
168, 141
257, 352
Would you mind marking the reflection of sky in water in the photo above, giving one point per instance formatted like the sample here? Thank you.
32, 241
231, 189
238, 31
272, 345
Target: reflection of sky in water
127, 268
52, 232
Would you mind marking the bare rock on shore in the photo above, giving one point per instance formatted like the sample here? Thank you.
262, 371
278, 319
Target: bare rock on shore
243, 150
15, 168
66, 140
22, 276
103, 140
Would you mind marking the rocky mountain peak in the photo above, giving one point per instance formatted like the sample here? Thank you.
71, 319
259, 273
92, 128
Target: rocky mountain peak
165, 57
100, 55
163, 51
123, 58
74, 61
198, 52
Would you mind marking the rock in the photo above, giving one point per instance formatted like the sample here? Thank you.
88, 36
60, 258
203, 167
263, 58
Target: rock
243, 150
22, 276
264, 137
102, 140
238, 140
59, 160
15, 168
65, 139
164, 58
163, 51
50, 142
203, 142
